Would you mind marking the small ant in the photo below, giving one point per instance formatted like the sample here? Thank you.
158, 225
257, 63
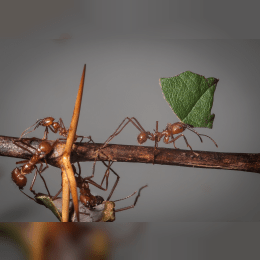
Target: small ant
86, 197
18, 175
166, 134
91, 202
55, 127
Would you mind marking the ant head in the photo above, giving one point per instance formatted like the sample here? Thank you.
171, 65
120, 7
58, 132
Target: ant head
88, 201
176, 128
19, 179
142, 138
99, 200
44, 147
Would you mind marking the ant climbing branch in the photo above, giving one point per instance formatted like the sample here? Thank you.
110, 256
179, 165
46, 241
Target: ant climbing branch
130, 153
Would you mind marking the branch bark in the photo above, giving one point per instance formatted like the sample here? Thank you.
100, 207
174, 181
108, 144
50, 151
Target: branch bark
82, 152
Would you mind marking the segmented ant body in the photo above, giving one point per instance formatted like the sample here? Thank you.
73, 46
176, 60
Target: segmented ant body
167, 134
55, 127
18, 175
91, 202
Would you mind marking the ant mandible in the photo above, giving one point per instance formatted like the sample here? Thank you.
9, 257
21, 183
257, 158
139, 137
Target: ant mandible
166, 134
55, 127
18, 175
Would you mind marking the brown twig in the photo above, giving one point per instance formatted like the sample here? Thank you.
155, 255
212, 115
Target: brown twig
68, 178
129, 153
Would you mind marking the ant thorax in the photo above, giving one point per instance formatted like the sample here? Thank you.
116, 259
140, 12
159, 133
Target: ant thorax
27, 168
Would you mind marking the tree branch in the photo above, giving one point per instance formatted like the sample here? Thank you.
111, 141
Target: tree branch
82, 152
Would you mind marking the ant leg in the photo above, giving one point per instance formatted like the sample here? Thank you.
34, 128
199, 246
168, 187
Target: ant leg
122, 125
19, 145
185, 139
33, 181
27, 195
34, 178
25, 161
155, 142
116, 182
40, 173
24, 143
132, 206
55, 197
45, 136
82, 137
105, 176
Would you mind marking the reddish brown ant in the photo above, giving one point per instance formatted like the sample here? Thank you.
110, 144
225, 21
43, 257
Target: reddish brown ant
166, 134
90, 201
18, 175
55, 127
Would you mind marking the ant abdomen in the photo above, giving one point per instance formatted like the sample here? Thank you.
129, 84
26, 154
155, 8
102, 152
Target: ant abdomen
142, 137
19, 179
44, 148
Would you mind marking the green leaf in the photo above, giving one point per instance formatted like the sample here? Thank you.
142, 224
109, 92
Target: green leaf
49, 203
190, 96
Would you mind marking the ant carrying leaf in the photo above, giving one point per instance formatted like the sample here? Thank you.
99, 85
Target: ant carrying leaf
191, 97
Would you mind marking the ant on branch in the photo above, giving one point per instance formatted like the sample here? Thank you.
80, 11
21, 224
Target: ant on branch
166, 134
18, 175
91, 202
55, 127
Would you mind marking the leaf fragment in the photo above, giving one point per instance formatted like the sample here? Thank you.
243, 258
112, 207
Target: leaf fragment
190, 96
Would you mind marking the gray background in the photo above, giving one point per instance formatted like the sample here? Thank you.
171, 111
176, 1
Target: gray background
40, 78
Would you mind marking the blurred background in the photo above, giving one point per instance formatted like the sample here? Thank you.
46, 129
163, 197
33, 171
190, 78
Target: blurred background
130, 241
127, 47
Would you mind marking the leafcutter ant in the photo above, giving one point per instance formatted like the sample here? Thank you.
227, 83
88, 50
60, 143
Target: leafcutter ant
91, 202
166, 134
55, 127
18, 175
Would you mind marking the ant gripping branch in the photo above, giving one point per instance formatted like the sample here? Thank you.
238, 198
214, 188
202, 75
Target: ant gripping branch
55, 127
18, 175
91, 202
166, 134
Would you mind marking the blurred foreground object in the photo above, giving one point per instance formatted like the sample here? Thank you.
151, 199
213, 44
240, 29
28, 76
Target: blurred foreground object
67, 241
